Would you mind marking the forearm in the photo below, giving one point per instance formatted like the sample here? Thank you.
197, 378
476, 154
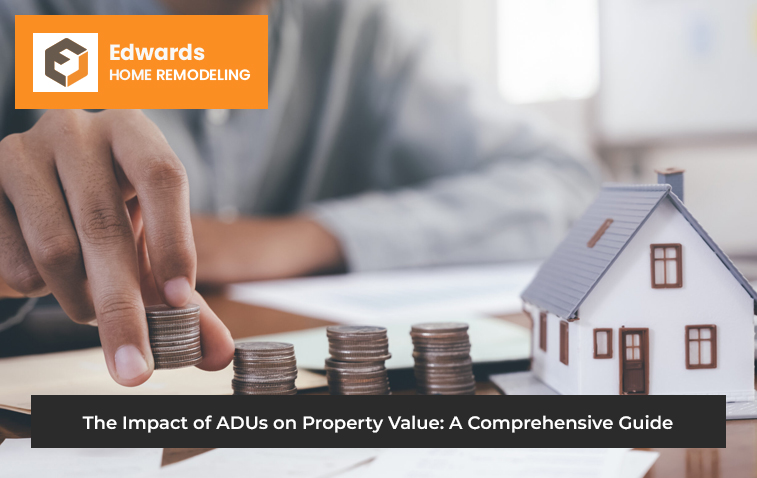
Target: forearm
509, 211
258, 249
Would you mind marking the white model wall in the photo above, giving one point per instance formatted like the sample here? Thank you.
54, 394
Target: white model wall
546, 365
710, 295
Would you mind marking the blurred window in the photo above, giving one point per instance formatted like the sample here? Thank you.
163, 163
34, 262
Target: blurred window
547, 50
602, 343
701, 346
666, 266
564, 342
543, 331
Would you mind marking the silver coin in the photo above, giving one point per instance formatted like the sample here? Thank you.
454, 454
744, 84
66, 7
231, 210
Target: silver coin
366, 348
378, 353
442, 356
255, 377
172, 365
447, 385
351, 373
377, 342
337, 364
440, 327
463, 385
292, 391
172, 317
177, 349
471, 391
264, 347
456, 363
193, 341
435, 349
241, 385
441, 341
377, 389
175, 338
349, 331
282, 387
264, 371
371, 392
356, 377
163, 309
266, 361
193, 330
360, 357
176, 358
267, 366
157, 355
168, 327
160, 328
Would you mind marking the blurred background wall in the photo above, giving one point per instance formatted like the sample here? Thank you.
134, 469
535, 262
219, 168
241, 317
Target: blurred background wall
645, 83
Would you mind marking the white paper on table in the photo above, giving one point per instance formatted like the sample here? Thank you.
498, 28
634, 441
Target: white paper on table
494, 462
268, 462
19, 460
379, 297
636, 463
83, 372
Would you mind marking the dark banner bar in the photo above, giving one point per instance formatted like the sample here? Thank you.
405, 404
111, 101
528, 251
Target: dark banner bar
378, 421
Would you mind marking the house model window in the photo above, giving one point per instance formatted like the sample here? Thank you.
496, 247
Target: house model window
701, 346
602, 343
564, 342
633, 347
666, 266
543, 331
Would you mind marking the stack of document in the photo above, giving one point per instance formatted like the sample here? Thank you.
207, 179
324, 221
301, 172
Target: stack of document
499, 462
386, 296
417, 463
19, 459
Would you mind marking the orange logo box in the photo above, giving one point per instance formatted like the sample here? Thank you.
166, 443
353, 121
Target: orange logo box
142, 61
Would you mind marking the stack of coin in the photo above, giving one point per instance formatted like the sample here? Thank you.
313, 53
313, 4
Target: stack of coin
356, 366
264, 368
174, 335
442, 359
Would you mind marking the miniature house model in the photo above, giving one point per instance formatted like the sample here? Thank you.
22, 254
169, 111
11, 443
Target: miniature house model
638, 300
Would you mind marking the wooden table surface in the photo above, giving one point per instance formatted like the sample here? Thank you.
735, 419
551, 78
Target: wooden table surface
738, 459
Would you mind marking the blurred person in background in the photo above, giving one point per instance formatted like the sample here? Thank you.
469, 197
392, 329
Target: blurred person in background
373, 154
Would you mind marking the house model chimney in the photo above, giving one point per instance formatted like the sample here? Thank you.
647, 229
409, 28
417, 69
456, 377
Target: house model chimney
674, 177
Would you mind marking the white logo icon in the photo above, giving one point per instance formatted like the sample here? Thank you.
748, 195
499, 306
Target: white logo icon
64, 62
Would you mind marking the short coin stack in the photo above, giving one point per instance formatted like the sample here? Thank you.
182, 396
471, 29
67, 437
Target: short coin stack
356, 366
442, 359
174, 335
264, 368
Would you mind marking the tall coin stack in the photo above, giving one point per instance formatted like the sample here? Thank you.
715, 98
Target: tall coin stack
174, 335
356, 366
442, 359
264, 368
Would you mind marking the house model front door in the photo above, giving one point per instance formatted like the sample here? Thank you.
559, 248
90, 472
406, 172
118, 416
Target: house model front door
634, 361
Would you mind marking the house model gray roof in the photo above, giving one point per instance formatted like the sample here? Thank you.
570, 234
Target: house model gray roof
568, 276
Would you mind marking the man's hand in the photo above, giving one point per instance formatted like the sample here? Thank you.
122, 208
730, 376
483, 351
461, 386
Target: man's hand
94, 207
257, 249
7, 293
